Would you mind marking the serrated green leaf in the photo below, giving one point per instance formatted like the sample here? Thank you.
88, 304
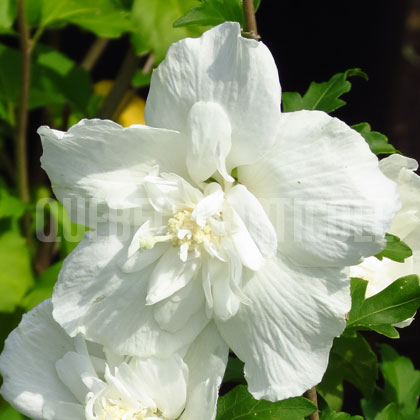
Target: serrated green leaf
402, 381
8, 11
322, 96
153, 25
214, 12
398, 302
9, 413
106, 18
15, 269
43, 287
239, 404
390, 412
377, 142
234, 371
351, 360
395, 249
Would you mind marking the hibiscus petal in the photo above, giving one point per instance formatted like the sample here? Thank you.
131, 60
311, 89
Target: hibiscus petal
224, 68
165, 381
95, 297
170, 275
255, 219
98, 165
204, 379
210, 141
173, 313
30, 382
284, 336
323, 191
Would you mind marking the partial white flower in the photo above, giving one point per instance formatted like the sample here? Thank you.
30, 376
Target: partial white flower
226, 210
405, 225
48, 375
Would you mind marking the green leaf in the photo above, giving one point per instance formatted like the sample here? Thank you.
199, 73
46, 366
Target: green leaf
334, 415
43, 287
390, 412
9, 413
15, 269
377, 142
239, 404
322, 96
395, 249
8, 11
402, 381
351, 360
398, 302
10, 206
106, 18
55, 79
234, 371
153, 21
140, 79
214, 12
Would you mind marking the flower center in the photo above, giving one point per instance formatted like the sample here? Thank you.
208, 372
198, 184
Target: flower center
186, 232
115, 409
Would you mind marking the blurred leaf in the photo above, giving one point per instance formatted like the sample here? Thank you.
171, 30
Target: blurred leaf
55, 78
140, 79
234, 371
8, 11
390, 412
10, 206
398, 302
377, 142
334, 415
239, 404
402, 381
214, 12
322, 96
7, 412
351, 360
15, 269
107, 18
153, 30
395, 249
43, 288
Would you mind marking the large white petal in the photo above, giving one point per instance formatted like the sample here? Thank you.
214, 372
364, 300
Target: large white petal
223, 68
255, 219
165, 381
210, 141
170, 275
27, 364
206, 360
98, 164
285, 333
95, 297
323, 191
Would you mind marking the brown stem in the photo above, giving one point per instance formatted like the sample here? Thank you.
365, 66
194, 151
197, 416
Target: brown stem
22, 117
311, 395
250, 21
121, 85
93, 54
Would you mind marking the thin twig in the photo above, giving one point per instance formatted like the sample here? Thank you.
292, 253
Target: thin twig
250, 21
93, 54
121, 85
22, 118
311, 395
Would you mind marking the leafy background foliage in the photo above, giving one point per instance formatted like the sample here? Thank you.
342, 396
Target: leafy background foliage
65, 89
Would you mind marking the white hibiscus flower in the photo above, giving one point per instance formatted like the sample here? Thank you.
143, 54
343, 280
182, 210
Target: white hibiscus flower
406, 225
48, 375
236, 213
